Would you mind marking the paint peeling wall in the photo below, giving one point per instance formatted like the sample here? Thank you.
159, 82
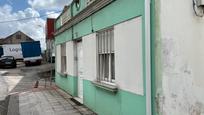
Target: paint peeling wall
179, 58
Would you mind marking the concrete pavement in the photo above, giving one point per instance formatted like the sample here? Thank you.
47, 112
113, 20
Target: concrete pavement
21, 98
49, 101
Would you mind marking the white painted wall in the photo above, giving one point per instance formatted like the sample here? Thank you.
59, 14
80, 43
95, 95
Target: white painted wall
89, 56
128, 56
182, 56
70, 58
58, 58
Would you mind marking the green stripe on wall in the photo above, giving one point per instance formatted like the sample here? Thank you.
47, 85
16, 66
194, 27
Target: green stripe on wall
106, 103
89, 94
117, 12
68, 83
82, 28
63, 37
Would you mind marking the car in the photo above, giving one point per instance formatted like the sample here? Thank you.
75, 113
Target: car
33, 62
7, 62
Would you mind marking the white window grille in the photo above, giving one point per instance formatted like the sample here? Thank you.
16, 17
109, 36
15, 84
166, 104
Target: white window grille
63, 58
88, 2
106, 57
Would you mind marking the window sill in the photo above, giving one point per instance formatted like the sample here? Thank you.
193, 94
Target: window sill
108, 87
63, 74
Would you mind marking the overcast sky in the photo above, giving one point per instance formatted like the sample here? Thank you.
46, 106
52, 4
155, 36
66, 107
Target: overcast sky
19, 9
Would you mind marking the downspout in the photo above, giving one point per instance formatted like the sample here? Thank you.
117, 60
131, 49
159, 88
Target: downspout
148, 58
72, 28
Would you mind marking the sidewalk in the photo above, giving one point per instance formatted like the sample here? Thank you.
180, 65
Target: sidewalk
19, 97
47, 101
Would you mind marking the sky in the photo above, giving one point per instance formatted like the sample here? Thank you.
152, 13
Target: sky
20, 9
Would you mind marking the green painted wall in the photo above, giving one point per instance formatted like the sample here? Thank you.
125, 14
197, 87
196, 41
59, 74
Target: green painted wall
104, 102
68, 83
63, 37
58, 20
105, 18
99, 100
57, 23
89, 94
77, 10
117, 12
83, 28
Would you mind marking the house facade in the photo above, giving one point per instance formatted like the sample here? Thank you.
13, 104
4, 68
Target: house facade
101, 56
132, 57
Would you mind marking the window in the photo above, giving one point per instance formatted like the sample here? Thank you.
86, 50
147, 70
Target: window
106, 57
18, 36
58, 58
65, 17
77, 3
63, 58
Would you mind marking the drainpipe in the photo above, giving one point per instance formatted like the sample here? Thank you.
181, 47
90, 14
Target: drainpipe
72, 17
148, 57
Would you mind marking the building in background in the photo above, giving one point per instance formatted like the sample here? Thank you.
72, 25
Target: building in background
50, 50
16, 38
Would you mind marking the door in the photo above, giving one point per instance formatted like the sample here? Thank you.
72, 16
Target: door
80, 68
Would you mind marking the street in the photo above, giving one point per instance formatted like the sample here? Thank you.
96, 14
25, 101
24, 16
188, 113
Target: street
19, 97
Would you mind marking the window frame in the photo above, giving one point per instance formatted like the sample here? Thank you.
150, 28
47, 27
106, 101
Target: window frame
105, 53
63, 57
18, 36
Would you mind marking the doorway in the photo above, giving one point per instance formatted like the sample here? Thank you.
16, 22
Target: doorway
79, 68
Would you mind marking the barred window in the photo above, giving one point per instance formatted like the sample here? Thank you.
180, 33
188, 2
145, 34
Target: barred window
63, 58
106, 57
